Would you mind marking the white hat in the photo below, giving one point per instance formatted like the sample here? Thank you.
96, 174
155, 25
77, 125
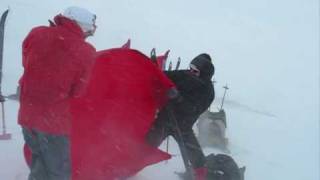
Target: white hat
84, 18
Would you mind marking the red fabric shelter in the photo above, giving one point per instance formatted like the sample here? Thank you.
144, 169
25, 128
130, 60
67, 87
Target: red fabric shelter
111, 120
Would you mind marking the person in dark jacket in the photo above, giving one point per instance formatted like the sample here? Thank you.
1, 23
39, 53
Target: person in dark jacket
196, 93
57, 63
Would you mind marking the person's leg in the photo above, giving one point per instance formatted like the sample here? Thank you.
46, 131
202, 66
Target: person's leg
156, 135
56, 154
37, 167
194, 153
193, 148
159, 130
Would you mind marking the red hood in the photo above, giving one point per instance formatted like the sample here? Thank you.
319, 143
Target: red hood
69, 24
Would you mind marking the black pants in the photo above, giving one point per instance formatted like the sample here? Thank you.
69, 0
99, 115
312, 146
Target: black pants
50, 155
163, 128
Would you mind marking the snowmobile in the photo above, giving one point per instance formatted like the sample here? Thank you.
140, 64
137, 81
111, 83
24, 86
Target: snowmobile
212, 133
212, 130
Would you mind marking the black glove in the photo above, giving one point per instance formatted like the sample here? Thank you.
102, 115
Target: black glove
174, 95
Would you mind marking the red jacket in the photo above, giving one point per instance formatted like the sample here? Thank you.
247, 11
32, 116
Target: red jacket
57, 62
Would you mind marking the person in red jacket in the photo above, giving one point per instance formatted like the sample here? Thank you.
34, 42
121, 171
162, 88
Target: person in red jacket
57, 63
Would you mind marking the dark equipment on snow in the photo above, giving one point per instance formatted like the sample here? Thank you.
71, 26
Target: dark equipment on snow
223, 167
220, 167
4, 135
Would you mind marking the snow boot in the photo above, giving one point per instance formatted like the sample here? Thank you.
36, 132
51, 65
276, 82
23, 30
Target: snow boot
200, 173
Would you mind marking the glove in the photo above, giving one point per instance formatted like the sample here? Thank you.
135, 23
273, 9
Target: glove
201, 173
174, 96
173, 93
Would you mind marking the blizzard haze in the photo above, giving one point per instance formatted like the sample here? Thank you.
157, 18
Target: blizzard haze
267, 51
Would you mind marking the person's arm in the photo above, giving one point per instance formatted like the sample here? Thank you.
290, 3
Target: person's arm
176, 75
165, 89
83, 77
188, 87
27, 42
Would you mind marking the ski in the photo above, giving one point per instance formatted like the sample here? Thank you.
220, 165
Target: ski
2, 25
4, 135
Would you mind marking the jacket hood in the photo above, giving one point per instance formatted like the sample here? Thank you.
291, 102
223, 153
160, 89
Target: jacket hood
204, 64
69, 24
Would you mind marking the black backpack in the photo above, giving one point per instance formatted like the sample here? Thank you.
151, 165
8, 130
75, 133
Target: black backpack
223, 167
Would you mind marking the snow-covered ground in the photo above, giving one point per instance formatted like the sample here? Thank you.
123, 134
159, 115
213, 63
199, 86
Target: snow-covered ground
267, 51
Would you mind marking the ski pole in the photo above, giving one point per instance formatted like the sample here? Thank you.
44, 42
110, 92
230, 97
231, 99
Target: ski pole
170, 66
167, 147
182, 145
153, 56
4, 135
224, 95
178, 63
3, 119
